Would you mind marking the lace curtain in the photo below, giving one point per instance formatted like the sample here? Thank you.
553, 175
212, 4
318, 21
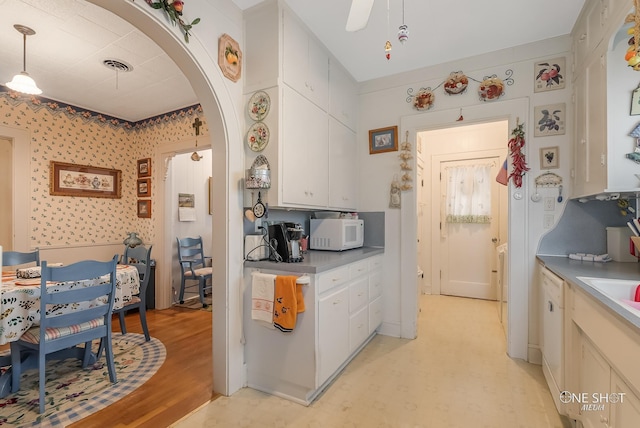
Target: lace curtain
468, 198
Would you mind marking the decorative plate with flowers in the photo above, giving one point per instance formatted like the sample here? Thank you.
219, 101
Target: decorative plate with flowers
424, 100
456, 83
491, 89
259, 105
258, 136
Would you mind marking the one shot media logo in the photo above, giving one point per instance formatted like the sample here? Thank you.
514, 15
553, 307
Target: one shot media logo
592, 401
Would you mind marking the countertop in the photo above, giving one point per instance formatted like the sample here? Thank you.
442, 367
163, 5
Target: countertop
318, 261
569, 270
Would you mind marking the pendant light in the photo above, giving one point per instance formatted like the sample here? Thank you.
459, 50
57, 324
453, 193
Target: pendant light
23, 82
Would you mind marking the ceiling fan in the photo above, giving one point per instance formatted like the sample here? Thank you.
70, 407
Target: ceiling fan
359, 14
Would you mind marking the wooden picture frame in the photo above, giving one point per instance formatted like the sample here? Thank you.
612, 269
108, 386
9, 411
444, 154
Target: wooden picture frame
144, 187
144, 167
383, 140
67, 179
635, 102
229, 57
144, 208
550, 157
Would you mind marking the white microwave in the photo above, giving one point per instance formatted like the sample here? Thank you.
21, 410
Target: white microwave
336, 234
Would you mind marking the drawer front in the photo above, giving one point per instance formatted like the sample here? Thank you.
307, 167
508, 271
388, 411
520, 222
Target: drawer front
375, 262
358, 328
375, 314
333, 278
375, 285
358, 269
358, 294
552, 284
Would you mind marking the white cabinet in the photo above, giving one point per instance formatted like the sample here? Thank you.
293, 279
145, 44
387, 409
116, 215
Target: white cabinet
343, 167
626, 413
595, 376
304, 147
342, 95
284, 59
305, 64
333, 329
340, 317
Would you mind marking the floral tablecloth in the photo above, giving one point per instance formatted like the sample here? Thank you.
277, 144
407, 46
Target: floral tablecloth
20, 299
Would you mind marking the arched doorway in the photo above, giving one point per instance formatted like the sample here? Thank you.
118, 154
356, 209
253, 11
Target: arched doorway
195, 60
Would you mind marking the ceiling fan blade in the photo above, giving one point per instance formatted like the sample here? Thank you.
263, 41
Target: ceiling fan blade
359, 14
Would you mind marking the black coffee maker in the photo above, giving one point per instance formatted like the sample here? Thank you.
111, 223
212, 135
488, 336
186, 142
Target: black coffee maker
284, 240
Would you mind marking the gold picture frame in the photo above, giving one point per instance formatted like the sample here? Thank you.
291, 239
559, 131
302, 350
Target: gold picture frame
229, 57
67, 179
383, 140
144, 208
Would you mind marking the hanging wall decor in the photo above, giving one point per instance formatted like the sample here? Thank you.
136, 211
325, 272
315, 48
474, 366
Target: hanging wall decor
550, 120
383, 140
633, 51
549, 75
516, 147
229, 57
405, 156
174, 12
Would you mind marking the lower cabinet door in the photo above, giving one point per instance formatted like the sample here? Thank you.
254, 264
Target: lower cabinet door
358, 328
626, 411
375, 314
333, 332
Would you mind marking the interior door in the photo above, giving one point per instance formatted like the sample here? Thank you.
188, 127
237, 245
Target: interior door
469, 249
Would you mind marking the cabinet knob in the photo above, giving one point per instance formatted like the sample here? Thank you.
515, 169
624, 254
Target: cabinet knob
582, 37
337, 301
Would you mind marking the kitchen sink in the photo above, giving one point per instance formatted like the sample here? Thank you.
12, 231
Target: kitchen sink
623, 291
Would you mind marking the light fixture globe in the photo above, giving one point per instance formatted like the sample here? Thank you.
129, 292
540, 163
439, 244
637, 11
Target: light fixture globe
24, 83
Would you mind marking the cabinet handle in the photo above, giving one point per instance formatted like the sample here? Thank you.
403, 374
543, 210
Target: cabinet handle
337, 301
583, 37
604, 420
550, 305
359, 294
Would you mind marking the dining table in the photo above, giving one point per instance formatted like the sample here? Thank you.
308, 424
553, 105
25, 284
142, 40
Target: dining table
20, 305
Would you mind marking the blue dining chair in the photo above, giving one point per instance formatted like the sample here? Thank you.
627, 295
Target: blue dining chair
15, 258
140, 257
82, 325
192, 266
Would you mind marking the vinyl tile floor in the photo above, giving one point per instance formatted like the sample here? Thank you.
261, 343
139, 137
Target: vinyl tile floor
455, 374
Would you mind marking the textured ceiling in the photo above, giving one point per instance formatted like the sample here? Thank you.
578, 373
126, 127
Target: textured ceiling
73, 37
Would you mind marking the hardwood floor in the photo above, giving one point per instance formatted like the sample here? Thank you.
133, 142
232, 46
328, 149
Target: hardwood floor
183, 383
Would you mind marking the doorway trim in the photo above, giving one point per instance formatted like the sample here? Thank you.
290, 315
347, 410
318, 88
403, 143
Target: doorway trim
517, 335
198, 65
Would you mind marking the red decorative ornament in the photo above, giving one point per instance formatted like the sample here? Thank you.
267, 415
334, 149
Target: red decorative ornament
387, 49
516, 145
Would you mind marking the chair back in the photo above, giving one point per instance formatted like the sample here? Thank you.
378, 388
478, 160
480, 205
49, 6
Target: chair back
190, 254
103, 277
140, 257
15, 258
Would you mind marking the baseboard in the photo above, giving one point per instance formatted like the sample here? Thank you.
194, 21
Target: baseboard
534, 355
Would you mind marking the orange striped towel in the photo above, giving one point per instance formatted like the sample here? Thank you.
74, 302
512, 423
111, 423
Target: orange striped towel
288, 302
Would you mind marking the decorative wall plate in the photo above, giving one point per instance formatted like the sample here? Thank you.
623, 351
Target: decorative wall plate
491, 89
424, 100
456, 83
258, 136
259, 105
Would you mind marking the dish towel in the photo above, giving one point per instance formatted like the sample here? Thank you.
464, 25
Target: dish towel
289, 302
262, 289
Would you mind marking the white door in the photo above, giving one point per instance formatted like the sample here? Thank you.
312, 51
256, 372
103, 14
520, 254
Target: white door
468, 249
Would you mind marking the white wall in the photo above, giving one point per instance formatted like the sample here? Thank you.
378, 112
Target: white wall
387, 102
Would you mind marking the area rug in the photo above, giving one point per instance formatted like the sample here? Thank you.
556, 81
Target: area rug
73, 393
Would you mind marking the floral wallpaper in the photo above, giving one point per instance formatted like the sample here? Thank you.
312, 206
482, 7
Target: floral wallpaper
65, 133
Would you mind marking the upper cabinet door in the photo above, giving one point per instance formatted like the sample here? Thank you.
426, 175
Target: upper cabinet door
342, 95
305, 63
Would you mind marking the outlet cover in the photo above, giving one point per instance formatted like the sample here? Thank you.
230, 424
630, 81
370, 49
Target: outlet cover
549, 204
548, 221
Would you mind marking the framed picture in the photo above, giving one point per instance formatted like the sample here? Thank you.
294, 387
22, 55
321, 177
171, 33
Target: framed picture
229, 57
144, 167
549, 75
383, 140
186, 200
144, 208
66, 179
549, 120
635, 102
549, 158
144, 187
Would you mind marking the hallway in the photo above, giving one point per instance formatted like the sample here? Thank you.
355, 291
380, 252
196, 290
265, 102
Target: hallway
456, 374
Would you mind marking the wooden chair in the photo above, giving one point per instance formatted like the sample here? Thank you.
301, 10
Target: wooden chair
192, 266
140, 257
59, 332
15, 258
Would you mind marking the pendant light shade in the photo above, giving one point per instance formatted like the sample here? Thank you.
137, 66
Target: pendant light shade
22, 82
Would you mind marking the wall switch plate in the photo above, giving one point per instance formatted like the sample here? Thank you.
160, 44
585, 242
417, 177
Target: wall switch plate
548, 221
549, 204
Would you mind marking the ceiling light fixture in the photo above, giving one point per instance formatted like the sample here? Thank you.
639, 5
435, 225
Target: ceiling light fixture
23, 82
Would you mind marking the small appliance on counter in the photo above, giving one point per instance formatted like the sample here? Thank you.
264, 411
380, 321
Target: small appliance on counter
284, 239
255, 247
336, 234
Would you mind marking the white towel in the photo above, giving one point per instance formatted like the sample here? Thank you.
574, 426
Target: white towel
262, 289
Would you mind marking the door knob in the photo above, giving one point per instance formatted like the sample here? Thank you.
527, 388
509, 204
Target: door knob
494, 240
